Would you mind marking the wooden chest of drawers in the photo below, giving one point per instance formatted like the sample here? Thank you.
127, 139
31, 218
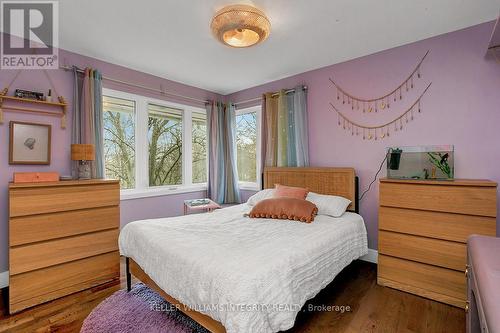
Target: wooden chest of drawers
423, 229
63, 238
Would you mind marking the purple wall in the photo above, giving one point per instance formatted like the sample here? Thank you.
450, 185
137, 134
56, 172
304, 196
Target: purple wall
460, 108
35, 80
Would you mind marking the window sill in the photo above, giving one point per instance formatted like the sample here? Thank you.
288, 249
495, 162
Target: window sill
249, 186
160, 191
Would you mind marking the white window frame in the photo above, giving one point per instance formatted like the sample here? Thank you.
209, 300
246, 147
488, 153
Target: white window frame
258, 184
203, 111
142, 188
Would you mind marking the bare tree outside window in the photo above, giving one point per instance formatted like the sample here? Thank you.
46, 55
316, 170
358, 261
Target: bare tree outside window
119, 140
246, 146
199, 138
165, 145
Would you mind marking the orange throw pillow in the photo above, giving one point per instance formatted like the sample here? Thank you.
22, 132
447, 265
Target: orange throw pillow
285, 209
282, 191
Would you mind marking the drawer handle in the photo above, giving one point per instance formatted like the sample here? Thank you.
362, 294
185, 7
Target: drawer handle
467, 306
467, 270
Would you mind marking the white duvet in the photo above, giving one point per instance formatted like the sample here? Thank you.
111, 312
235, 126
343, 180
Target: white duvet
252, 275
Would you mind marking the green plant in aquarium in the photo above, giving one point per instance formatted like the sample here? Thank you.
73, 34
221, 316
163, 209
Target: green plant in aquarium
441, 162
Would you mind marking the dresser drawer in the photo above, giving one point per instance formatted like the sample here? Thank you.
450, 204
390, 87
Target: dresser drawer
469, 200
448, 226
425, 250
40, 200
438, 283
36, 228
27, 258
45, 284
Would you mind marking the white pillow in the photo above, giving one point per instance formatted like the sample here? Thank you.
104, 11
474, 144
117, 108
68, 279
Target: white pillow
261, 195
331, 205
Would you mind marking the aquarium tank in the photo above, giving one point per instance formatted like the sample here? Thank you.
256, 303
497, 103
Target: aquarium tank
420, 162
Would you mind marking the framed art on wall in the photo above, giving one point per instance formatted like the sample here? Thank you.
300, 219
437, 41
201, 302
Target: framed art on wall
29, 143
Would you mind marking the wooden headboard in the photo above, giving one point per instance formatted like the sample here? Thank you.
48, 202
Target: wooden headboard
332, 181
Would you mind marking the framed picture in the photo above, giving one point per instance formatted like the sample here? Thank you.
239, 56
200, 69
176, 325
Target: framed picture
29, 143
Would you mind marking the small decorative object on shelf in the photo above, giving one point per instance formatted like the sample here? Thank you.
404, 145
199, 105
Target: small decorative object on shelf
20, 93
421, 162
200, 205
49, 96
83, 153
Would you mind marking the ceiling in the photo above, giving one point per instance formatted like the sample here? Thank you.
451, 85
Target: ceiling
172, 38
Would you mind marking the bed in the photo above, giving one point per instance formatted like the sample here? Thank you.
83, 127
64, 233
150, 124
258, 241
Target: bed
231, 273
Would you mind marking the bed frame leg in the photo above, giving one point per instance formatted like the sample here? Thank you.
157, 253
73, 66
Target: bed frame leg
129, 276
356, 194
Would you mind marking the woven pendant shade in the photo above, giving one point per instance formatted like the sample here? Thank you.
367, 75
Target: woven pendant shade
240, 26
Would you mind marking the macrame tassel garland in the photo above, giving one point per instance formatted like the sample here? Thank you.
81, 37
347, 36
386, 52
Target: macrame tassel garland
381, 131
383, 102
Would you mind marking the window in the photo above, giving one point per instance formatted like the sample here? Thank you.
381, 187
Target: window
248, 146
165, 145
152, 146
199, 146
119, 140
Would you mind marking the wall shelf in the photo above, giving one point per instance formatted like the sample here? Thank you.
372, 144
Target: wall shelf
61, 106
28, 100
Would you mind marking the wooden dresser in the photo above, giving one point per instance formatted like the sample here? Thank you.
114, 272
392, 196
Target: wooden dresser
63, 238
423, 229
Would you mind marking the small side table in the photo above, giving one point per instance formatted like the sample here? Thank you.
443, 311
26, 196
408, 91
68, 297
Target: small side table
209, 207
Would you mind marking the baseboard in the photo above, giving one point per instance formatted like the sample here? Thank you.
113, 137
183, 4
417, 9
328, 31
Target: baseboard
4, 279
371, 256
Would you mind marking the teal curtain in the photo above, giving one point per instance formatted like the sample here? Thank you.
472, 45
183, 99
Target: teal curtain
301, 127
222, 172
87, 124
291, 148
98, 126
77, 119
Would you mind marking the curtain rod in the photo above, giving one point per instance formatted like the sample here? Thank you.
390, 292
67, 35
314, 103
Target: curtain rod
158, 91
273, 95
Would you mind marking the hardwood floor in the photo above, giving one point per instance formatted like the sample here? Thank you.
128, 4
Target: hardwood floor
372, 309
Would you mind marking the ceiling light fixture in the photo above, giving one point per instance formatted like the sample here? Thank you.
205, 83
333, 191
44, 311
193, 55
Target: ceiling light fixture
240, 26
